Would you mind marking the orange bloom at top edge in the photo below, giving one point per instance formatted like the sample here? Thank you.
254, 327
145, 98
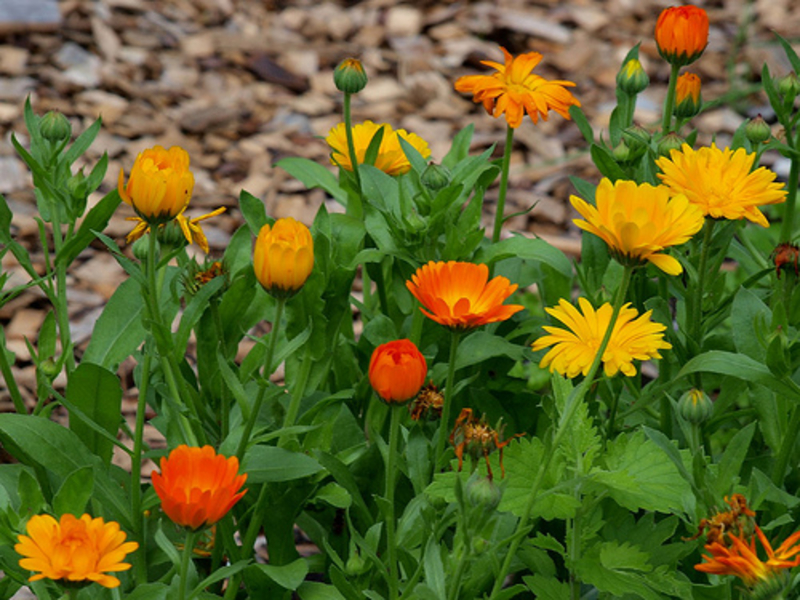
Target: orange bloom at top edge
514, 90
682, 34
397, 370
197, 486
74, 549
459, 294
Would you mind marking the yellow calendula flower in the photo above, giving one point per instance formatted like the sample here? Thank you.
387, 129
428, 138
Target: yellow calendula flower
514, 90
634, 337
283, 257
638, 222
190, 228
721, 182
74, 550
390, 159
160, 184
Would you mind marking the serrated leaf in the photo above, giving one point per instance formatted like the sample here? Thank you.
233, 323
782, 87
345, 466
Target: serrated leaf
547, 588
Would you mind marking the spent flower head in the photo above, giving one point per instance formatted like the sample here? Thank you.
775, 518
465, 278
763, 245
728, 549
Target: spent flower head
391, 159
515, 90
74, 550
634, 337
722, 183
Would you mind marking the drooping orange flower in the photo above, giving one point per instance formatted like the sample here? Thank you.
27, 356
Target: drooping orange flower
514, 90
682, 34
283, 257
741, 559
197, 486
722, 183
397, 370
459, 294
391, 158
160, 184
74, 550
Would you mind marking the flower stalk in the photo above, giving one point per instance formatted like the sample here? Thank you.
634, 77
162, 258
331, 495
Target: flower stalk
449, 396
501, 197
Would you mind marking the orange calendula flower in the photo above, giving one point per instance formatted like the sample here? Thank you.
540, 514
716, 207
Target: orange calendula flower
721, 182
634, 337
397, 371
515, 90
74, 549
638, 222
459, 294
197, 486
283, 257
741, 559
160, 184
391, 159
682, 34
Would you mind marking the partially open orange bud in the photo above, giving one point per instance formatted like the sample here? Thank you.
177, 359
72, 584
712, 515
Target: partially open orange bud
397, 371
687, 96
682, 34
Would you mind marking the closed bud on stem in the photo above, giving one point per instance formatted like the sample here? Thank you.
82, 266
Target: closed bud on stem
621, 152
349, 76
55, 127
757, 130
141, 248
482, 492
50, 368
669, 143
789, 86
695, 406
435, 177
632, 78
637, 139
688, 101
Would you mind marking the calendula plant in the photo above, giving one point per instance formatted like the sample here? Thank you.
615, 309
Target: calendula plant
504, 422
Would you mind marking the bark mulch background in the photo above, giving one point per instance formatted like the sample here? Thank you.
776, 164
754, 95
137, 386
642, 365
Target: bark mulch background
243, 83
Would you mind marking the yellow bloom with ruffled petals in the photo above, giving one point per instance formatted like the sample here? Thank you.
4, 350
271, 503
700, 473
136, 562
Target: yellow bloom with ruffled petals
391, 158
634, 337
638, 222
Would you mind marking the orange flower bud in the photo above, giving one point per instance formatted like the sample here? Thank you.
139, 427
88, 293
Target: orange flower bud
397, 371
197, 486
283, 257
160, 184
687, 96
682, 34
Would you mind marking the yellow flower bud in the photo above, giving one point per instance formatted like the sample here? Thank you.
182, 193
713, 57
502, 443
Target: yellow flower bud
687, 96
632, 78
160, 184
283, 257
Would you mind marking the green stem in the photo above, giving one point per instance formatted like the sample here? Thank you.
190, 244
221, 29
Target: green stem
186, 560
8, 376
224, 391
787, 446
573, 402
501, 197
391, 460
696, 317
136, 474
575, 541
297, 395
455, 588
351, 147
669, 101
787, 226
449, 395
273, 340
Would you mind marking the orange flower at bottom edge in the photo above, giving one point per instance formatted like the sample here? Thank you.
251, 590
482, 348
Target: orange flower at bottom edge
397, 370
74, 550
741, 560
460, 295
197, 486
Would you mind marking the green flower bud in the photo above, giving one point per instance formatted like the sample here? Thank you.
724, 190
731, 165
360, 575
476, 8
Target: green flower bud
757, 130
789, 86
482, 492
435, 177
695, 406
621, 152
140, 248
687, 96
55, 127
669, 143
632, 78
49, 368
171, 236
637, 139
355, 565
349, 76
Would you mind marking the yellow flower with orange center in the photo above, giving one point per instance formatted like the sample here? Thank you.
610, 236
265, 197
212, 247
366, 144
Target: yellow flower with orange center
634, 337
391, 159
197, 486
682, 34
283, 257
397, 371
721, 182
74, 550
638, 222
515, 90
459, 295
160, 184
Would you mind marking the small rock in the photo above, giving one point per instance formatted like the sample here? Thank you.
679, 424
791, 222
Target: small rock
403, 21
12, 176
81, 67
13, 60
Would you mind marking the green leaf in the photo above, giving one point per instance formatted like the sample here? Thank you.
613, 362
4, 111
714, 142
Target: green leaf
790, 53
75, 492
96, 220
481, 345
434, 568
219, 574
583, 123
96, 391
604, 160
289, 576
83, 142
193, 311
270, 464
750, 318
730, 465
459, 149
639, 475
335, 495
417, 161
313, 174
525, 248
312, 590
547, 588
149, 591
253, 212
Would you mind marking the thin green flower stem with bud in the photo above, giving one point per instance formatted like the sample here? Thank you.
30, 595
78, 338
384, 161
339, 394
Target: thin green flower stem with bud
669, 101
449, 394
572, 404
390, 481
695, 316
273, 340
787, 226
186, 560
351, 146
140, 563
501, 196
